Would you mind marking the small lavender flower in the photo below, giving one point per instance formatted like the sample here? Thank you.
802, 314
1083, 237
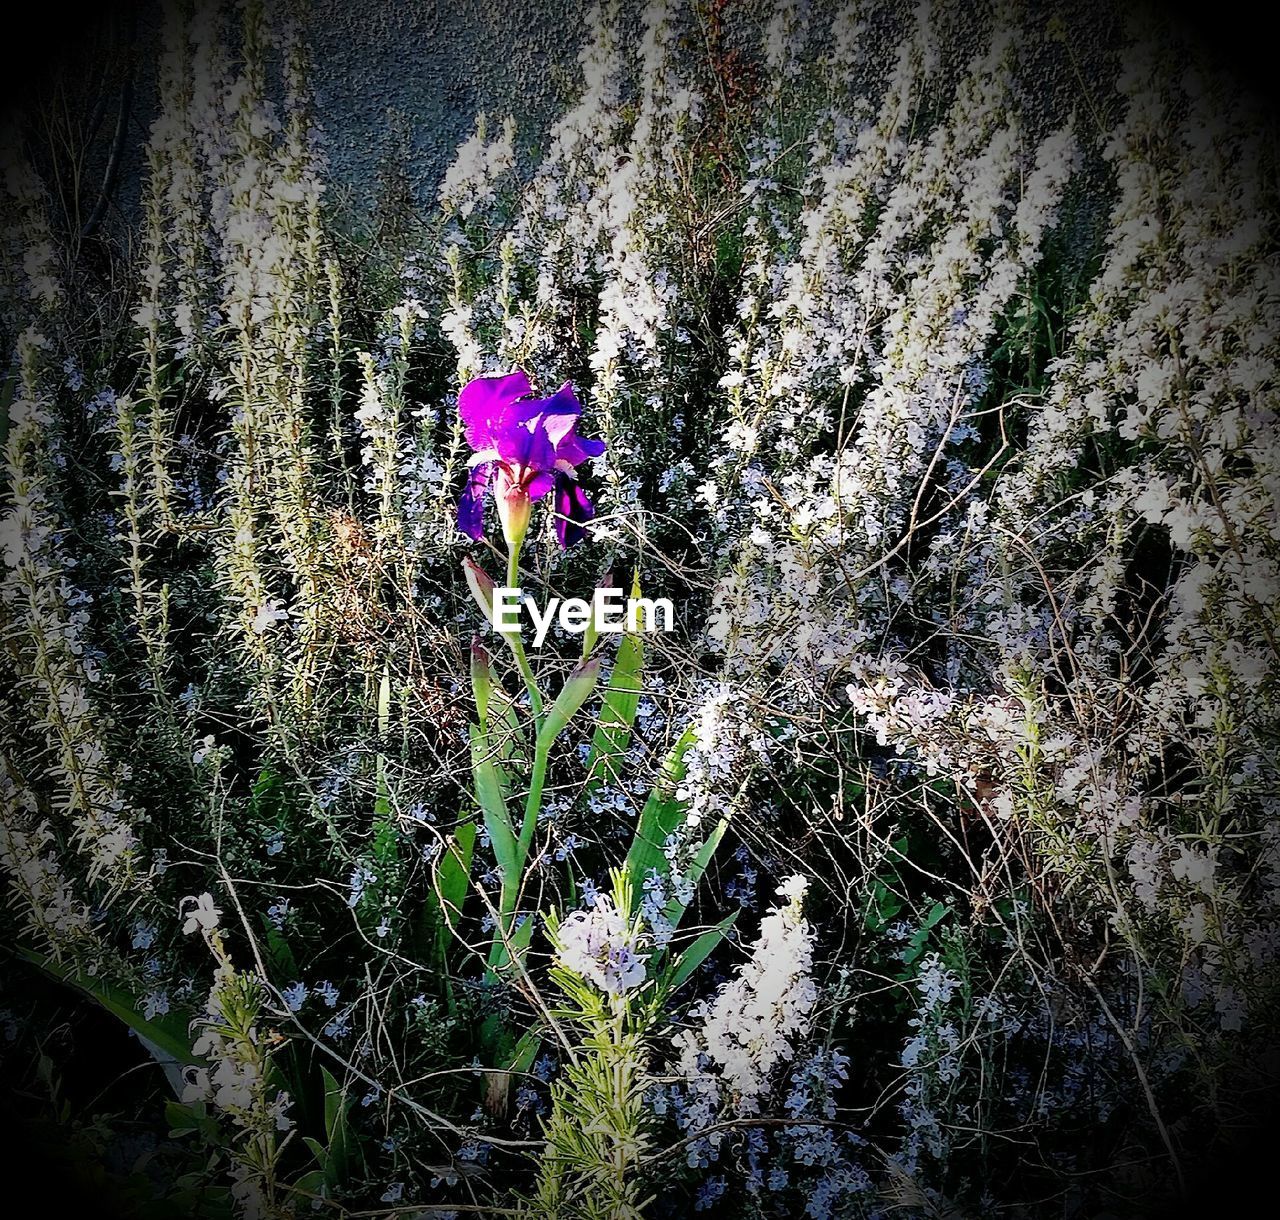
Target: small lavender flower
360, 878
544, 1068
339, 1027
710, 1191
597, 945
144, 936
155, 1004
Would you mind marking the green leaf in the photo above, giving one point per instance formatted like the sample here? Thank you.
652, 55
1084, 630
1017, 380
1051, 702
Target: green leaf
497, 821
181, 1118
334, 1103
312, 1182
382, 801
284, 968
698, 952
384, 703
517, 941
337, 1103
674, 911
318, 1150
523, 934
453, 873
618, 711
267, 791
916, 945
168, 1033
505, 730
885, 904
661, 816
525, 1050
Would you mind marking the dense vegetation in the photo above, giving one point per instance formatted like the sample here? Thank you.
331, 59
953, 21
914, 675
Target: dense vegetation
931, 867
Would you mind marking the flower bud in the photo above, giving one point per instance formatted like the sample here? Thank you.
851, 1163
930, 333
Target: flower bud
592, 633
481, 678
484, 591
515, 509
481, 586
573, 694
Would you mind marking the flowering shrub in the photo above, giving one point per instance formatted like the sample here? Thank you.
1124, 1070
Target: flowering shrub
941, 403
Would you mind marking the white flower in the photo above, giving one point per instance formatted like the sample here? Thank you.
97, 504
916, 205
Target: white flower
756, 1018
793, 888
269, 613
202, 916
597, 945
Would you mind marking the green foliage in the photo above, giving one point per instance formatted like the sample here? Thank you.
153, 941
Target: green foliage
661, 817
618, 711
168, 1033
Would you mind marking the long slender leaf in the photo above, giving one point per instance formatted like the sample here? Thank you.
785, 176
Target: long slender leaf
337, 1105
518, 941
525, 1051
168, 1033
506, 733
453, 874
334, 1098
618, 711
659, 819
489, 788
698, 952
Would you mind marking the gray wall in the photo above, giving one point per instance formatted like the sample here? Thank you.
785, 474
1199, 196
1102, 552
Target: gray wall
430, 67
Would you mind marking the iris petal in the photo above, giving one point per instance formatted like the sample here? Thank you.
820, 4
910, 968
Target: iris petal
471, 502
573, 511
540, 484
560, 413
520, 446
485, 403
576, 449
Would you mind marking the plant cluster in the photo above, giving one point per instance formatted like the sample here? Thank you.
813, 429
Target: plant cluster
931, 866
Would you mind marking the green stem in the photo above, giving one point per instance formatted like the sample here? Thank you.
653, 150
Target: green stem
533, 802
511, 885
517, 645
522, 664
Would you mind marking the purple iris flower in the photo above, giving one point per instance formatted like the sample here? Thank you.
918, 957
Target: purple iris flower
527, 447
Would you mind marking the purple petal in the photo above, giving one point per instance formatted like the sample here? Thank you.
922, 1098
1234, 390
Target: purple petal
471, 502
573, 511
576, 449
540, 484
563, 403
485, 403
520, 445
560, 414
